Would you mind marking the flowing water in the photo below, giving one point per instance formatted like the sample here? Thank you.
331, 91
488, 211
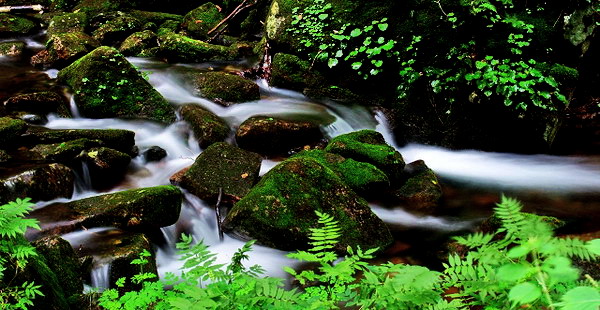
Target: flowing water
472, 179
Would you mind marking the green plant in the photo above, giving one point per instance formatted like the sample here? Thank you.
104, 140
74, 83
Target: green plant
14, 254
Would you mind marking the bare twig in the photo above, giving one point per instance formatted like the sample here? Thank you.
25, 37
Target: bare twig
12, 8
218, 213
236, 11
441, 8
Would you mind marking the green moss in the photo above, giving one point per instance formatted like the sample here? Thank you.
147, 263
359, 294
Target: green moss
61, 258
12, 25
369, 146
280, 209
64, 48
176, 47
4, 157
563, 73
421, 191
225, 88
202, 19
118, 90
208, 128
157, 18
10, 130
118, 139
67, 22
12, 48
117, 29
139, 43
289, 71
64, 152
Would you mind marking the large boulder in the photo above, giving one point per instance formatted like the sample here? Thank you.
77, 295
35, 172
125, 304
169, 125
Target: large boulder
116, 30
369, 146
12, 25
143, 208
61, 258
118, 139
289, 71
272, 136
421, 191
224, 88
179, 48
67, 22
118, 90
202, 19
38, 102
280, 210
208, 128
39, 182
222, 167
364, 178
10, 130
64, 48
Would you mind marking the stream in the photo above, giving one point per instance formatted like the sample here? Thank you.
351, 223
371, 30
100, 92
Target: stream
472, 180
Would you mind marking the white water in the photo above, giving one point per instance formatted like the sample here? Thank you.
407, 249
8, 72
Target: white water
100, 277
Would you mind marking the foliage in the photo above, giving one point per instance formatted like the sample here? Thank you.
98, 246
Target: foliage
14, 254
522, 263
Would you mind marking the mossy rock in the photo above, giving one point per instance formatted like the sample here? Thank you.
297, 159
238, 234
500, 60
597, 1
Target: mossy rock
222, 166
64, 48
10, 130
118, 90
224, 88
116, 30
202, 19
63, 152
364, 178
208, 128
39, 102
139, 43
12, 48
157, 18
118, 139
4, 157
169, 26
106, 166
421, 191
67, 22
280, 210
272, 136
39, 182
176, 47
289, 71
91, 7
61, 258
143, 208
13, 25
369, 146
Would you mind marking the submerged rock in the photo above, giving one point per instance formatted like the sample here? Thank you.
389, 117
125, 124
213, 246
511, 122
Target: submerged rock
39, 102
118, 90
222, 166
202, 19
224, 88
155, 153
280, 210
64, 48
275, 136
208, 128
176, 47
39, 182
12, 48
421, 191
143, 208
369, 146
61, 258
13, 25
10, 130
118, 139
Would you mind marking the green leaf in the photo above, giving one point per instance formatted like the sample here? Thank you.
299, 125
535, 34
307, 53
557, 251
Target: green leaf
525, 293
323, 16
518, 251
355, 33
389, 45
382, 27
356, 65
513, 272
593, 246
332, 62
480, 65
581, 298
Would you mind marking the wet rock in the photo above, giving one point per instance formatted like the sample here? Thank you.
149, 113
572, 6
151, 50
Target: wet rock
40, 102
139, 44
179, 48
106, 166
143, 208
421, 191
155, 153
177, 178
280, 210
365, 179
118, 139
118, 90
67, 22
34, 119
60, 258
116, 30
224, 88
208, 128
275, 136
202, 19
4, 157
10, 130
39, 182
12, 48
289, 71
64, 48
63, 152
13, 25
222, 166
369, 146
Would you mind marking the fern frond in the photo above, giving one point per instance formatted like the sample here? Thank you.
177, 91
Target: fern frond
570, 247
512, 219
326, 236
475, 240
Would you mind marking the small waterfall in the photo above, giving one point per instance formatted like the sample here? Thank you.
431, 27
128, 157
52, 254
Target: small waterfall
100, 277
83, 180
74, 108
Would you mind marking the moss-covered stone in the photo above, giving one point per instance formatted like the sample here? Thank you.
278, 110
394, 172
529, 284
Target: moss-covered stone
208, 128
10, 130
67, 22
118, 139
13, 25
39, 182
116, 30
363, 178
143, 208
12, 48
63, 152
421, 191
289, 71
157, 18
39, 102
169, 26
106, 166
96, 6
222, 166
176, 47
224, 88
64, 48
139, 43
118, 90
280, 209
369, 146
202, 19
276, 136
61, 258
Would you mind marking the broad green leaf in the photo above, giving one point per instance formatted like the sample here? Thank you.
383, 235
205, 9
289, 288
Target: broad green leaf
356, 65
356, 32
480, 65
389, 45
332, 62
525, 293
581, 298
518, 251
382, 27
513, 272
323, 16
